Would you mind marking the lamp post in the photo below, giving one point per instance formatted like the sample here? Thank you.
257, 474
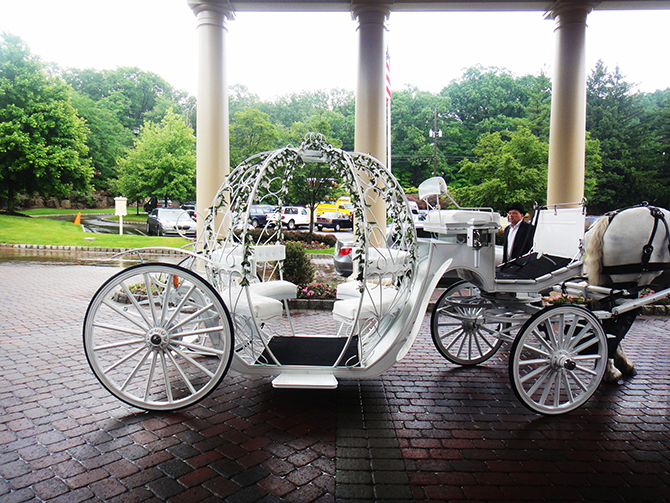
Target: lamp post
435, 133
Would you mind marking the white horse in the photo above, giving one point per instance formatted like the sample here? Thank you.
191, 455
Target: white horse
628, 248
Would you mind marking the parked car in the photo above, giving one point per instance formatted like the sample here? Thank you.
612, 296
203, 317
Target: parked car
190, 208
334, 220
342, 259
258, 213
342, 205
292, 217
164, 203
170, 221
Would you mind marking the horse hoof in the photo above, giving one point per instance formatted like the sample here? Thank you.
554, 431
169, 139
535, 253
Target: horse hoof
612, 374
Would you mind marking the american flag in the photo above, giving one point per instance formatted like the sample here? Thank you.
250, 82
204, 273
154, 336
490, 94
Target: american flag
388, 76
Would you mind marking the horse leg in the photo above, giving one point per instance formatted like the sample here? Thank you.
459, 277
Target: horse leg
617, 363
622, 362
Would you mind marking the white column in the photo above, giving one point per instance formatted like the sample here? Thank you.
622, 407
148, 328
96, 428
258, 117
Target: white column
567, 133
212, 147
370, 120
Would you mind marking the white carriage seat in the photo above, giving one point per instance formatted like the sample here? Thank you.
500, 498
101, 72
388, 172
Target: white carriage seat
442, 221
241, 304
559, 232
265, 297
229, 260
383, 265
374, 303
278, 289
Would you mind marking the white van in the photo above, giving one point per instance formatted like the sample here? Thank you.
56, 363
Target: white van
292, 217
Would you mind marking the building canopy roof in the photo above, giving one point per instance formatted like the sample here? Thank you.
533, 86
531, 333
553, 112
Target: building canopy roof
435, 5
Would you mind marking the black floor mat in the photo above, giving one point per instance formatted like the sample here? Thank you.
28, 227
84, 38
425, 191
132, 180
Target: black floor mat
530, 266
313, 351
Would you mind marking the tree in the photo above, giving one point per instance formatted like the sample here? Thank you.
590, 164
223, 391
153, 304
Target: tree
310, 185
42, 140
107, 139
506, 171
486, 100
413, 114
538, 109
613, 114
162, 162
251, 132
138, 95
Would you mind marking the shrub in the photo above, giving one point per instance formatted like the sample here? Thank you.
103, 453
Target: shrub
317, 291
326, 240
309, 240
298, 267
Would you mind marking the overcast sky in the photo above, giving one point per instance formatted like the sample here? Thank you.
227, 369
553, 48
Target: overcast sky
274, 54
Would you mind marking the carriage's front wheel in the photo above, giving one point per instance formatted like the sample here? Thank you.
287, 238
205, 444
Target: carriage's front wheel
158, 337
558, 359
460, 331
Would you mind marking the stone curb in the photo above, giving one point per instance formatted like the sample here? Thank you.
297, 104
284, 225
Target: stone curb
91, 249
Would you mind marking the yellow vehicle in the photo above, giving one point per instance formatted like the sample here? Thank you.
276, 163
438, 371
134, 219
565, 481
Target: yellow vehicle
342, 205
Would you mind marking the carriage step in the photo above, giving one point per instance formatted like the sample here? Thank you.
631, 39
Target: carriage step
305, 381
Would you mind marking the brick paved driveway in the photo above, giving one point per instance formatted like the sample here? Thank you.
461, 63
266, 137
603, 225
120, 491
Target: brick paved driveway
425, 430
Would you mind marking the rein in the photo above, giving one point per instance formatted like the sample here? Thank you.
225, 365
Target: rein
647, 249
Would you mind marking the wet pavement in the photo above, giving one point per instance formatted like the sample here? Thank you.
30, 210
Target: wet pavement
425, 430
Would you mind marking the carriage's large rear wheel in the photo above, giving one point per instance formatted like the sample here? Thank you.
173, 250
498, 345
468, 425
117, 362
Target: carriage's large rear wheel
158, 337
558, 359
460, 331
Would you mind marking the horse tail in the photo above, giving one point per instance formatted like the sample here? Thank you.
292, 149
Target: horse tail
594, 249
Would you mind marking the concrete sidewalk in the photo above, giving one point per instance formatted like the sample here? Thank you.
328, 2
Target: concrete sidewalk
423, 431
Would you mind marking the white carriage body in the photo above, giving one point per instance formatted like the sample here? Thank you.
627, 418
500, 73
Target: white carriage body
162, 337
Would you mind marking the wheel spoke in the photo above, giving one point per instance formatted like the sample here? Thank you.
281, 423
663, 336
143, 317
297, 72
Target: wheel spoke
135, 370
180, 306
577, 380
193, 362
198, 348
531, 375
191, 317
133, 300
166, 379
126, 315
115, 328
166, 305
123, 360
150, 377
148, 283
186, 380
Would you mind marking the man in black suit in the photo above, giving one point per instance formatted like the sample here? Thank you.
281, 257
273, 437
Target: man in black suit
518, 238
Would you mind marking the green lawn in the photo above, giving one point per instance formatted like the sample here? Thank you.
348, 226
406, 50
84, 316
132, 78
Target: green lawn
44, 231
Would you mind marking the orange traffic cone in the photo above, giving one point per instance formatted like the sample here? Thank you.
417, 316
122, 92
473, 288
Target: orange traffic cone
77, 219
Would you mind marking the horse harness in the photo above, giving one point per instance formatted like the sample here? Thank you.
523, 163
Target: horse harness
647, 250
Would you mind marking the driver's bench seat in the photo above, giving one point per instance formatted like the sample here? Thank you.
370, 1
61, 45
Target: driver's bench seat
557, 245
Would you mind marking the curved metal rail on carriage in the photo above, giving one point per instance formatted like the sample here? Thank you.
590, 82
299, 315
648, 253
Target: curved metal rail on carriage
162, 337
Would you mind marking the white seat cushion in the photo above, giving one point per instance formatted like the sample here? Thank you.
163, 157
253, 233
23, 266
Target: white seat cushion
375, 302
262, 307
276, 289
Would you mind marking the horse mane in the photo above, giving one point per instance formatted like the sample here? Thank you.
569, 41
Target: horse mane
594, 249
